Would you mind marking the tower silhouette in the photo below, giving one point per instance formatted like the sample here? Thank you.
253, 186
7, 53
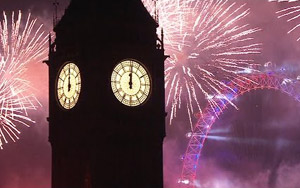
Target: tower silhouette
106, 97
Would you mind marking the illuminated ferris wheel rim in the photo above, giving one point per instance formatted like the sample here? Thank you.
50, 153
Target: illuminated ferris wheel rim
238, 87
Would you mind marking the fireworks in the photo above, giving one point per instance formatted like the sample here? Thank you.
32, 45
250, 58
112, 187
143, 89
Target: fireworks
19, 44
283, 1
292, 14
209, 44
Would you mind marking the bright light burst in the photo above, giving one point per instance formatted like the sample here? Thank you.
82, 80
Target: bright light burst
20, 43
209, 43
291, 14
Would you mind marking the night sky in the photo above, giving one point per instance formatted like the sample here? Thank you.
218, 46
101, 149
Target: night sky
27, 163
266, 154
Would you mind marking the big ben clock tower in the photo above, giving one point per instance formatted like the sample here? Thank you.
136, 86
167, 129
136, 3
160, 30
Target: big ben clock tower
106, 97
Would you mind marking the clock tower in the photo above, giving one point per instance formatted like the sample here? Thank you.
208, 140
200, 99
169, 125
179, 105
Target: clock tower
106, 97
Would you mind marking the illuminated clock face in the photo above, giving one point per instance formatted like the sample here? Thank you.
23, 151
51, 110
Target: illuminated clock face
68, 85
130, 83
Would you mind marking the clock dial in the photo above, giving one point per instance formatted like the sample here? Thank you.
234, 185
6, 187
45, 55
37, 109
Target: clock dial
130, 83
68, 85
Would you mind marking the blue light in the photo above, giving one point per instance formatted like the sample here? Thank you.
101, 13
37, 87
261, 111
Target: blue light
225, 101
230, 96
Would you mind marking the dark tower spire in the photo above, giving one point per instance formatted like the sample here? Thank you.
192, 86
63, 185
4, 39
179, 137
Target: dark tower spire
55, 16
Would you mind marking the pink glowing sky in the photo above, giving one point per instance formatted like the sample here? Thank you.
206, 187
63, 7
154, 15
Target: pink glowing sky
26, 163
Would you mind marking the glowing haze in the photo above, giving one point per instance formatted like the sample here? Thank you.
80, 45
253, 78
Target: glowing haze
27, 163
19, 46
291, 14
209, 44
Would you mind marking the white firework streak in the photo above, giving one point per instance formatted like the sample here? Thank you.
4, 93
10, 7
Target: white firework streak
19, 45
209, 45
283, 1
291, 14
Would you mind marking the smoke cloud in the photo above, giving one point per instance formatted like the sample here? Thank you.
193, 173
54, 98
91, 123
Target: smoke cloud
266, 115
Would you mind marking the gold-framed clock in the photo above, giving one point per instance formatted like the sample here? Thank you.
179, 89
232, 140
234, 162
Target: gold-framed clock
131, 82
68, 85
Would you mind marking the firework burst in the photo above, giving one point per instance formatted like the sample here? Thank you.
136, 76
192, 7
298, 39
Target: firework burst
292, 14
209, 44
19, 45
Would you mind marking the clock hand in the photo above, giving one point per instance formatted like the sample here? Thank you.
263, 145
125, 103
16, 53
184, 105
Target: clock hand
130, 81
69, 85
69, 79
130, 77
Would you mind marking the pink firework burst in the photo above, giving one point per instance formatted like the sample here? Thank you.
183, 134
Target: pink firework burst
291, 14
209, 43
20, 43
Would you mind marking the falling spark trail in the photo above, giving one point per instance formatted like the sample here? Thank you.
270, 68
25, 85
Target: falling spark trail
20, 44
291, 14
283, 1
209, 44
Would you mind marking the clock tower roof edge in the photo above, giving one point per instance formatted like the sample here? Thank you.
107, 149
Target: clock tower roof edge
79, 10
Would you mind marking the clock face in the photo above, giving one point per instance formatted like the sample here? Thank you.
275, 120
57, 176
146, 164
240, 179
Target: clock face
68, 85
130, 83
